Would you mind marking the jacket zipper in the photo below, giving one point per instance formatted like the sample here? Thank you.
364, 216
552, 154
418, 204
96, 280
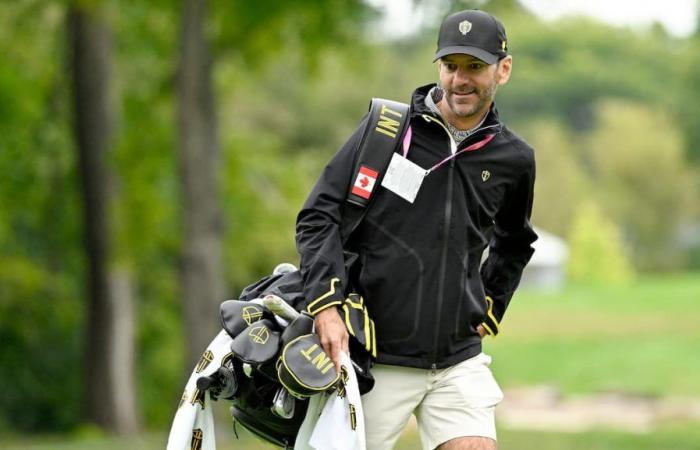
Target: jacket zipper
445, 239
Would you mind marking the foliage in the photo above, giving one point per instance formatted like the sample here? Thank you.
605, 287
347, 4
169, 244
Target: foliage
597, 251
292, 81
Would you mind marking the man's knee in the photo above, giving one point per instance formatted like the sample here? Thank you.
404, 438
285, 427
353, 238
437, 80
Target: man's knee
469, 443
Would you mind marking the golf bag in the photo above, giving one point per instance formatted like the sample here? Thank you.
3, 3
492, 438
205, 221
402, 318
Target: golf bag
276, 361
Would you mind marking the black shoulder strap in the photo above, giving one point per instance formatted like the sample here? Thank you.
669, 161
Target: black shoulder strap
386, 125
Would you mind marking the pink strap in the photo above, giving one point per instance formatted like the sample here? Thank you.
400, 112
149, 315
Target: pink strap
407, 141
475, 146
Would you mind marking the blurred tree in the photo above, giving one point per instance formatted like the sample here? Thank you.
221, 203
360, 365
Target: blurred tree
688, 98
253, 33
642, 178
109, 361
562, 183
202, 279
597, 253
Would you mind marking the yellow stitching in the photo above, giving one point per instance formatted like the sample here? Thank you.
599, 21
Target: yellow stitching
359, 305
337, 302
347, 320
489, 313
488, 329
374, 340
368, 343
324, 296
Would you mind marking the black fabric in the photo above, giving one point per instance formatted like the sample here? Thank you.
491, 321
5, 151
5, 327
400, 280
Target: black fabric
304, 324
258, 343
418, 265
472, 32
236, 315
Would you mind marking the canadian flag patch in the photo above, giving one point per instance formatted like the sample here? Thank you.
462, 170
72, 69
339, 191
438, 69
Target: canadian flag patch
364, 183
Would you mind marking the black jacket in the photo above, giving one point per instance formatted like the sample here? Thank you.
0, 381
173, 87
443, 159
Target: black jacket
419, 264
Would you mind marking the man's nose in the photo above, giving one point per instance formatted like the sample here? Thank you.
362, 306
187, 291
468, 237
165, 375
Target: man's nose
462, 75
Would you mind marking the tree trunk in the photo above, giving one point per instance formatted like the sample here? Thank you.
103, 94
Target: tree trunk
201, 271
109, 359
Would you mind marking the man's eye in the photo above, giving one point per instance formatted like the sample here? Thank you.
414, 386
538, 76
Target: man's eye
451, 67
476, 66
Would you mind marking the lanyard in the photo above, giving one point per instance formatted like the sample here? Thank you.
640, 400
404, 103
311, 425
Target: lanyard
475, 146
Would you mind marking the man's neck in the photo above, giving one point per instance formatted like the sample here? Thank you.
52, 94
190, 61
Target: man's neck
461, 123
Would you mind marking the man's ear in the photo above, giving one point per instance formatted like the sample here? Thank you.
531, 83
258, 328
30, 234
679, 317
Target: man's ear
505, 66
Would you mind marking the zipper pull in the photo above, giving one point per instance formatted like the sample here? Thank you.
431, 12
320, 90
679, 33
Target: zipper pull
433, 370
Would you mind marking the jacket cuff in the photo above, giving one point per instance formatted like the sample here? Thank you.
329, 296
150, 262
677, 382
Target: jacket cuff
490, 323
332, 297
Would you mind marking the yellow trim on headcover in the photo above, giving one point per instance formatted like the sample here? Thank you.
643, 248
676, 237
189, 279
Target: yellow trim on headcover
309, 308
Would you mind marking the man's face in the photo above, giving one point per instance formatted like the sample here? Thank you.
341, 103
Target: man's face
470, 84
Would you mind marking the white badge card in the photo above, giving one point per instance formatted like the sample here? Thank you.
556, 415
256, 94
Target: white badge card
404, 177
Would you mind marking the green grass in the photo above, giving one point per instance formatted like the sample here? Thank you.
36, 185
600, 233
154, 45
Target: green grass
640, 339
676, 437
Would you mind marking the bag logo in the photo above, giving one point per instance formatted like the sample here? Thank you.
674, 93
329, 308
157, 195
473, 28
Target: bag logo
197, 436
183, 399
259, 335
485, 175
204, 361
198, 397
251, 314
320, 361
465, 27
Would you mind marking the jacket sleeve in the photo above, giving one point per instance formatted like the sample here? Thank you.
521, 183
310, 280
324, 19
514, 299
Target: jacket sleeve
318, 231
510, 248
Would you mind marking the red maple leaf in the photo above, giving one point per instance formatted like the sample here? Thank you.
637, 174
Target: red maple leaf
364, 182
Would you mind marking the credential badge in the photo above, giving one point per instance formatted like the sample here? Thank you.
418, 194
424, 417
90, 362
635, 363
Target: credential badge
485, 175
465, 26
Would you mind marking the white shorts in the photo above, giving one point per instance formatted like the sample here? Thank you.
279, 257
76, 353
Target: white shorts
448, 403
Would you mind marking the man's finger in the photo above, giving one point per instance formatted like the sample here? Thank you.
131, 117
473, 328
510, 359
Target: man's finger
335, 356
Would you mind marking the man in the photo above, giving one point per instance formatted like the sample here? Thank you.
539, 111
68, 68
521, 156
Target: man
419, 268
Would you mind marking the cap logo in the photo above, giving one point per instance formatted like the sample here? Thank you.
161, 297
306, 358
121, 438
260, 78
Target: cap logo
465, 27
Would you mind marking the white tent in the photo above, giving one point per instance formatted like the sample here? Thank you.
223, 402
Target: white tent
547, 268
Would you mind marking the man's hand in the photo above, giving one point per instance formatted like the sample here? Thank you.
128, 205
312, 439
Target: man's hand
481, 330
332, 333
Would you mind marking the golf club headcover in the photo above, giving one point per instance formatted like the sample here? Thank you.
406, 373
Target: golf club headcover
303, 324
237, 315
257, 344
305, 369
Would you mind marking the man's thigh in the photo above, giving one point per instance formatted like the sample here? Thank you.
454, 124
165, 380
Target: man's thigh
389, 405
459, 407
469, 443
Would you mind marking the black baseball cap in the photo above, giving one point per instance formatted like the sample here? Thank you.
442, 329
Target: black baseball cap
472, 32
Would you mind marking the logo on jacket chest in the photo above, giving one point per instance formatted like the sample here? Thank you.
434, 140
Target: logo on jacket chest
485, 175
